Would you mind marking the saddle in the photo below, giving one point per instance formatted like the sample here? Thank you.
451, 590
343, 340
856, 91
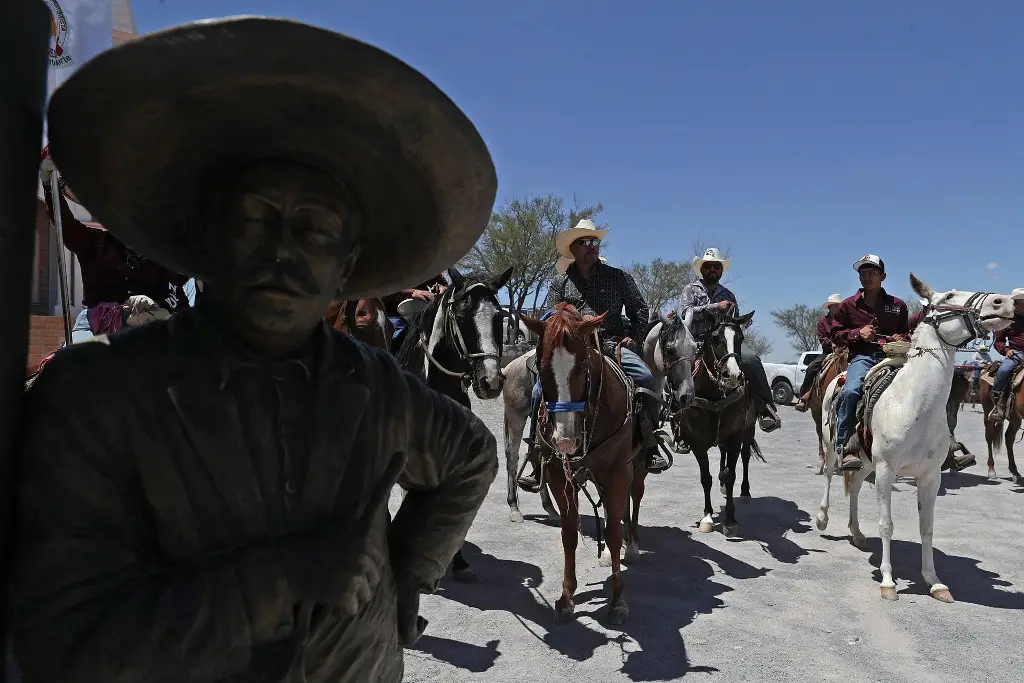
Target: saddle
837, 356
989, 375
876, 382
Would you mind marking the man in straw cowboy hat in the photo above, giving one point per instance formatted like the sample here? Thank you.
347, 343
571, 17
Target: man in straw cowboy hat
217, 511
858, 323
1010, 344
593, 287
705, 297
823, 330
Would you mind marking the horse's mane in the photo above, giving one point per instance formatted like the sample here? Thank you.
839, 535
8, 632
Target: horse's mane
564, 320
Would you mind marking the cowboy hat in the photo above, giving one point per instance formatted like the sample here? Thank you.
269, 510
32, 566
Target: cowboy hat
1017, 294
711, 255
833, 300
869, 260
585, 228
563, 262
142, 129
408, 307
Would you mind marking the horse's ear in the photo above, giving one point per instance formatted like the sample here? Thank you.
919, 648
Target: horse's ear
456, 277
500, 281
921, 288
591, 323
745, 320
534, 325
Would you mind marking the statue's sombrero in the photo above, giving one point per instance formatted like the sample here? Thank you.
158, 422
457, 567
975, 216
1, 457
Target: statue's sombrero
143, 129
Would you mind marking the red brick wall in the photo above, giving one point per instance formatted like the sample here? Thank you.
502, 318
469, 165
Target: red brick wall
46, 334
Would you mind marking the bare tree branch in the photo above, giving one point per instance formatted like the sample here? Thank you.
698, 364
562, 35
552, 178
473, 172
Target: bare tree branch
800, 323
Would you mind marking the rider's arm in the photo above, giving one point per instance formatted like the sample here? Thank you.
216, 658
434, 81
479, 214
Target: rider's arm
636, 308
1001, 338
688, 301
843, 331
78, 237
824, 337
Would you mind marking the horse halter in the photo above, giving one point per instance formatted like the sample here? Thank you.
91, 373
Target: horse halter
969, 312
669, 366
575, 406
452, 331
720, 361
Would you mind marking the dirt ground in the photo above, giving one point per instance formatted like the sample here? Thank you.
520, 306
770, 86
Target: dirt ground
780, 602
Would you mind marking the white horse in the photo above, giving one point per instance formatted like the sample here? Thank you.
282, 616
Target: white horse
908, 424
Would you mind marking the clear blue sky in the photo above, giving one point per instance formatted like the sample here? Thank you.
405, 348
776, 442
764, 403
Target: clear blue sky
798, 133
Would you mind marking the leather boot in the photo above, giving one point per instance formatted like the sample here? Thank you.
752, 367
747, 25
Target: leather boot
997, 415
801, 404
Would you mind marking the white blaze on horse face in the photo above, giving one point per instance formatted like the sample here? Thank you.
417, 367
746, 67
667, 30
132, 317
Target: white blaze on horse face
483, 319
436, 334
731, 374
562, 363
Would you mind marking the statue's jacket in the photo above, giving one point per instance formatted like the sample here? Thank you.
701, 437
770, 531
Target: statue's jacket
147, 525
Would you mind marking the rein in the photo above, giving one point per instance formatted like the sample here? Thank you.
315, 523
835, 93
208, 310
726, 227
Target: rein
453, 333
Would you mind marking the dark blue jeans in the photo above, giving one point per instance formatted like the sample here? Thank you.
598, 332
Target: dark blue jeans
1005, 372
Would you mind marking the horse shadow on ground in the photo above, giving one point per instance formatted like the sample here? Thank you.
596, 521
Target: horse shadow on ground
666, 591
962, 480
768, 521
967, 581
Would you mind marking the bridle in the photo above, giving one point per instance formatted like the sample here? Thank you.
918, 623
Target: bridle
720, 361
582, 407
663, 337
452, 332
969, 312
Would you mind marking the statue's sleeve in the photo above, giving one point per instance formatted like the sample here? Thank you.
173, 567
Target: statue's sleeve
452, 460
94, 598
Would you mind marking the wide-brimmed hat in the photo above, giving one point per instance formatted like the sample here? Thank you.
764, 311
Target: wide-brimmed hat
142, 131
1017, 294
869, 260
833, 300
585, 228
711, 255
563, 263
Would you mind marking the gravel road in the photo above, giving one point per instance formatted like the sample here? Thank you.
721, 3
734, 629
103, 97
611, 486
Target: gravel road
780, 602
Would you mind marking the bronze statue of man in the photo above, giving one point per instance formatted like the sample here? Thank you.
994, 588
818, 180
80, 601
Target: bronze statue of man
205, 498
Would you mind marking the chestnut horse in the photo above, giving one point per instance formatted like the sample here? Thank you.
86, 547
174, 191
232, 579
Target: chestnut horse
364, 320
586, 427
831, 369
994, 436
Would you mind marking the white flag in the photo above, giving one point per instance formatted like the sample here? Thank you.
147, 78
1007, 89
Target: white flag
79, 30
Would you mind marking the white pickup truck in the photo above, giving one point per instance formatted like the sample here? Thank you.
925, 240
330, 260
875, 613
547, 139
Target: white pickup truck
785, 378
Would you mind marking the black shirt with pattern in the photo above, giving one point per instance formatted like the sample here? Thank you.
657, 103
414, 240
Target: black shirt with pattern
609, 289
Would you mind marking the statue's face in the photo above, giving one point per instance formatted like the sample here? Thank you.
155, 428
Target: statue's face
281, 244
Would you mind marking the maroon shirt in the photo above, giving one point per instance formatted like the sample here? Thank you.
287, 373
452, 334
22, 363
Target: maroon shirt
1012, 336
825, 332
915, 320
889, 317
111, 272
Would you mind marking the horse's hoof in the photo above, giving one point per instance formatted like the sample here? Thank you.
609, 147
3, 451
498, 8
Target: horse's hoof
889, 593
821, 520
745, 497
730, 530
515, 516
821, 468
941, 593
1017, 479
606, 558
992, 474
564, 612
857, 540
706, 527
619, 614
632, 555
465, 575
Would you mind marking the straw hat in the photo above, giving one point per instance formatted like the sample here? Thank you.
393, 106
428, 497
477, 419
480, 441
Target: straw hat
833, 300
585, 228
143, 129
713, 255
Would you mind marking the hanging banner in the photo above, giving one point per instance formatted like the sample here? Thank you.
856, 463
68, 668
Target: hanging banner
79, 30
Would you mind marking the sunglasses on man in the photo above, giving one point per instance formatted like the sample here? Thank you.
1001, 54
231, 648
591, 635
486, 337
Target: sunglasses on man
588, 242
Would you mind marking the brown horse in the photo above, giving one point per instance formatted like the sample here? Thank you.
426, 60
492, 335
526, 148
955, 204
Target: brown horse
832, 367
363, 320
994, 435
586, 426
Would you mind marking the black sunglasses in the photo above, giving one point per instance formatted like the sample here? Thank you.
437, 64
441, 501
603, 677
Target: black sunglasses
588, 242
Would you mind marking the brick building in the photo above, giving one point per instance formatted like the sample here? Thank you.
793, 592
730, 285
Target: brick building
47, 326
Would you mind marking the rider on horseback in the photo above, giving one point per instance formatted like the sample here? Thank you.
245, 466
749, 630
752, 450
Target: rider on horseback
1009, 343
425, 292
705, 297
824, 338
594, 287
857, 323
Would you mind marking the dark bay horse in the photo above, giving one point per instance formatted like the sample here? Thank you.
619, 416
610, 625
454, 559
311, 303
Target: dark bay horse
833, 366
994, 436
364, 320
723, 413
456, 342
586, 426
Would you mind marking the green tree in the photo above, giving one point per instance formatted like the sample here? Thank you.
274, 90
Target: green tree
661, 281
800, 323
759, 343
913, 304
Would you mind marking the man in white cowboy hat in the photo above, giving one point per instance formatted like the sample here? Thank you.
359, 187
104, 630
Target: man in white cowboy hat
217, 510
705, 297
824, 338
857, 324
593, 287
1010, 344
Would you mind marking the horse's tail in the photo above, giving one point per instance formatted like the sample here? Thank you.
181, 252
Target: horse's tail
995, 434
757, 450
847, 476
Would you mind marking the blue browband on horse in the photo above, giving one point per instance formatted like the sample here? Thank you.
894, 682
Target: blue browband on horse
566, 406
